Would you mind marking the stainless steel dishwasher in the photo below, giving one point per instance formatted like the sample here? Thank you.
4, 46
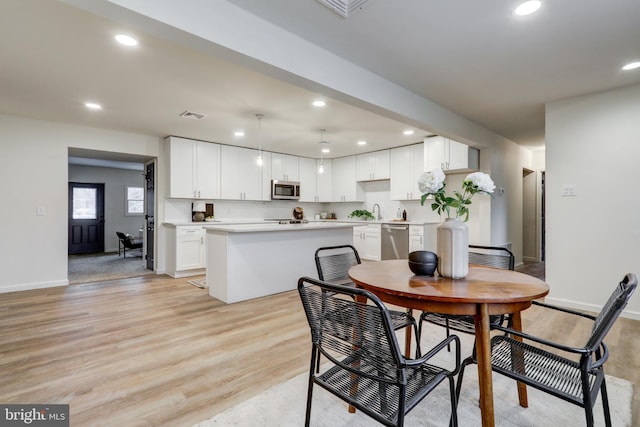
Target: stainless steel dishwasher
395, 241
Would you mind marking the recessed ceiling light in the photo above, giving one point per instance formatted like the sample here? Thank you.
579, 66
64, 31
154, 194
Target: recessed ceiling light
528, 7
408, 132
126, 40
326, 150
319, 103
93, 106
631, 66
238, 133
362, 142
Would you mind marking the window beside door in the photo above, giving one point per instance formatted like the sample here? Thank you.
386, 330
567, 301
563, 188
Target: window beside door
134, 203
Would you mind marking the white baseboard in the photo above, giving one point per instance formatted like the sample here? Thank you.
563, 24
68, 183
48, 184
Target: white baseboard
187, 273
588, 307
29, 286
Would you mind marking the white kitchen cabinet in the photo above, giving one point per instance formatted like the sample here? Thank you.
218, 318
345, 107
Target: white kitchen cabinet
185, 251
315, 186
367, 239
345, 186
407, 164
324, 181
450, 155
241, 178
372, 166
423, 238
284, 167
194, 169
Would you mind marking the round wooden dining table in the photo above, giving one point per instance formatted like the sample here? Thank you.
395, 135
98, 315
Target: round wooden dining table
483, 292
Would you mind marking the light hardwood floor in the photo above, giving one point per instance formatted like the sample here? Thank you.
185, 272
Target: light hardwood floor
153, 350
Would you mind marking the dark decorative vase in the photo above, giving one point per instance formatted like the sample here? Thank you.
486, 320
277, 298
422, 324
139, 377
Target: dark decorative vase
423, 263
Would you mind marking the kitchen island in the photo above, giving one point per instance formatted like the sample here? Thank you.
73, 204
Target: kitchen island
246, 261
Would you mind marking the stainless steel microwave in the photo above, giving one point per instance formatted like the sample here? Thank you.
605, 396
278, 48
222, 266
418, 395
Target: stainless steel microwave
285, 190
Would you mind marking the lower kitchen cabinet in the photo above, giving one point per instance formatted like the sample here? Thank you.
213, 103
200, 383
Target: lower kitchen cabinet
423, 238
367, 240
185, 251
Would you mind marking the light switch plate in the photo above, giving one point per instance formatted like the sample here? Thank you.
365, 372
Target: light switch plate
40, 211
568, 190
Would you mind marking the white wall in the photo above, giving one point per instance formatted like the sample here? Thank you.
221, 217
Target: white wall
34, 173
592, 238
115, 185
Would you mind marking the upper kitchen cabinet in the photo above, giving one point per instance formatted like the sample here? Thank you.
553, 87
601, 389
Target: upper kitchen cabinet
407, 164
449, 155
194, 168
345, 186
315, 186
372, 166
284, 167
241, 177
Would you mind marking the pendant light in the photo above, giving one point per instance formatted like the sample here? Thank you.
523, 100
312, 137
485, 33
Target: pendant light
323, 142
259, 160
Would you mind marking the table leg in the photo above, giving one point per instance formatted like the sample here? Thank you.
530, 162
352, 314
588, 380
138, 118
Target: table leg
407, 338
483, 349
516, 323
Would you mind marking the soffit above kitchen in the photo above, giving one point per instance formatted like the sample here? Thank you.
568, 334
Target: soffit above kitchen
476, 58
473, 58
72, 58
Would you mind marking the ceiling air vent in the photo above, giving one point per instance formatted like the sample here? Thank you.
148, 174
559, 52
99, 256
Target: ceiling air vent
192, 115
345, 8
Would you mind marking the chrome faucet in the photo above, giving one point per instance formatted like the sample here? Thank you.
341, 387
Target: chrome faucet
374, 211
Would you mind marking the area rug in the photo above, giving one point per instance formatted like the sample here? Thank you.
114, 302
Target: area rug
284, 406
198, 283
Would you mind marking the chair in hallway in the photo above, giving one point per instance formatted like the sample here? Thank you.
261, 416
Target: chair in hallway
574, 374
333, 264
352, 329
490, 256
128, 242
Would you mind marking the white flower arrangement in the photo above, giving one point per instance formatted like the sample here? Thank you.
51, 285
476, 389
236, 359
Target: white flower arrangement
432, 183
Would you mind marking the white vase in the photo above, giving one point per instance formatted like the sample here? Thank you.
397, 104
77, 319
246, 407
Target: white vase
453, 248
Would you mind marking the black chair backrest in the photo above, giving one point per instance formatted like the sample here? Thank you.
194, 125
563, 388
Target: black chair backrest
341, 325
333, 263
492, 256
612, 309
121, 236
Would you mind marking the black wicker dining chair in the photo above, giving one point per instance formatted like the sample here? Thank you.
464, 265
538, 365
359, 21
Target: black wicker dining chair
574, 374
489, 256
333, 264
365, 367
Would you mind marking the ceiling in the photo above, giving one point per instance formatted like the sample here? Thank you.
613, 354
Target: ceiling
474, 58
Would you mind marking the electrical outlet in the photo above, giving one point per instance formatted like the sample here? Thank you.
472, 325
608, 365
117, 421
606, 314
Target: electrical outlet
568, 190
40, 211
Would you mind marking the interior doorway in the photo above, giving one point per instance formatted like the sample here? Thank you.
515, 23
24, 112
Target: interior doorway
86, 218
532, 215
125, 178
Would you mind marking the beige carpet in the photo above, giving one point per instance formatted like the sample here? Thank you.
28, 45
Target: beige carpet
284, 405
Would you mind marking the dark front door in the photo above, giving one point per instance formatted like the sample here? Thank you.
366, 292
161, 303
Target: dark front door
86, 218
150, 211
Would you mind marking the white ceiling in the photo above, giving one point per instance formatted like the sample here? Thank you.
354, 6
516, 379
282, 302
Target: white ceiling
473, 57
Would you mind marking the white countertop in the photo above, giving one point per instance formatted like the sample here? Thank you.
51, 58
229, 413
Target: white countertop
274, 226
254, 221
